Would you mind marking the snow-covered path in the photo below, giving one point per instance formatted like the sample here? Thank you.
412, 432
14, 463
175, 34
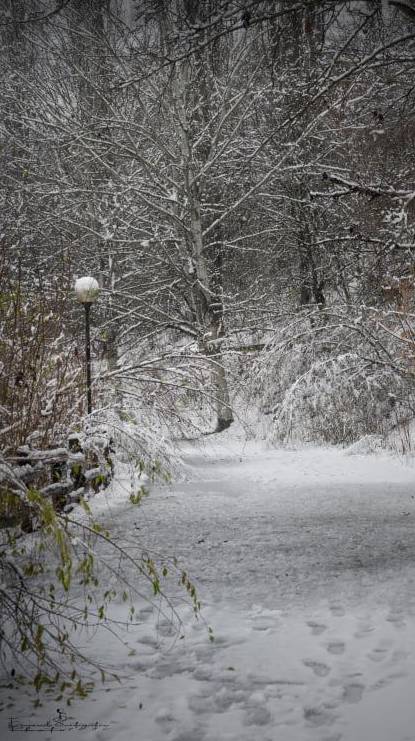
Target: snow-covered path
290, 528
305, 563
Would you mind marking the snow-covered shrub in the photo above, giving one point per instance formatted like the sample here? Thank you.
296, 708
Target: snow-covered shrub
160, 397
335, 380
136, 436
40, 370
366, 445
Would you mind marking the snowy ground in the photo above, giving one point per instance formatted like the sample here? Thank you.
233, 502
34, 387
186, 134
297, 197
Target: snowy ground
305, 562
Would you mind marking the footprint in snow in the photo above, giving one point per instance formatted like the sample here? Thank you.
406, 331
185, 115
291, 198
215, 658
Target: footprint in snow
257, 716
225, 697
381, 683
353, 693
166, 628
396, 620
200, 704
195, 734
262, 619
168, 669
378, 654
319, 669
263, 623
364, 630
149, 640
337, 610
145, 612
202, 674
316, 628
318, 717
164, 716
204, 653
336, 647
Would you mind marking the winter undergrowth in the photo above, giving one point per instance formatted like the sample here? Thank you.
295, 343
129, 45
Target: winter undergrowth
334, 382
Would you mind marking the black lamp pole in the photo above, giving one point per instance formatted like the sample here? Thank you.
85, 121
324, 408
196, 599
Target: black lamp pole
87, 290
87, 306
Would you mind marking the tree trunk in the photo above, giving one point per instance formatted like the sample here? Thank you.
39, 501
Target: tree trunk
206, 288
224, 414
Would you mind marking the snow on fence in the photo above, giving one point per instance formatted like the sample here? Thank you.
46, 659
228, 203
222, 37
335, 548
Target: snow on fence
64, 475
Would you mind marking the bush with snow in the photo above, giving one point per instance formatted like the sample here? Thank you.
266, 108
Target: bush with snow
334, 382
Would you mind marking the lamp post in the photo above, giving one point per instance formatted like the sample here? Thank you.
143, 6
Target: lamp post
87, 290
